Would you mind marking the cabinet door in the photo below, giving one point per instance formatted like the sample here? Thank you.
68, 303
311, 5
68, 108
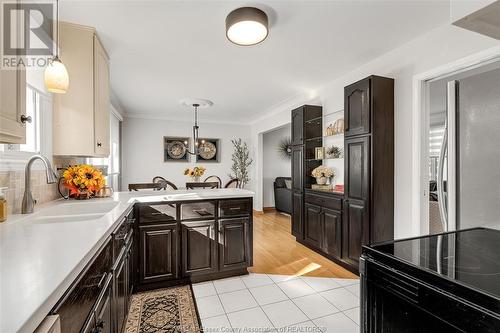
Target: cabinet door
103, 312
130, 272
357, 108
357, 168
12, 106
297, 168
332, 220
199, 248
158, 253
101, 100
298, 126
73, 117
120, 289
313, 229
356, 230
297, 215
234, 243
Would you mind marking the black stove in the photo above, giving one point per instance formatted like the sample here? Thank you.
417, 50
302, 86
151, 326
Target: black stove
448, 282
470, 257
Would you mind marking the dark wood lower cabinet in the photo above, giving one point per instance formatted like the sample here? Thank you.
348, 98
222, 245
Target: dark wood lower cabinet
324, 226
210, 239
234, 246
323, 229
103, 313
313, 231
75, 306
199, 248
332, 230
355, 231
158, 252
121, 291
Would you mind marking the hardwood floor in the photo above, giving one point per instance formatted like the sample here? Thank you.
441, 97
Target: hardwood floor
275, 251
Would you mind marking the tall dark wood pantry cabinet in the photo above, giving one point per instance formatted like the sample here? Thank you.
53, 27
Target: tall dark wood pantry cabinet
369, 165
307, 135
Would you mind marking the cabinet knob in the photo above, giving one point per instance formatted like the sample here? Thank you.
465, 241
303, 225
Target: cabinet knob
99, 144
25, 119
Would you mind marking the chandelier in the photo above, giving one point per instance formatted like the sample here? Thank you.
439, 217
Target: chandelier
198, 145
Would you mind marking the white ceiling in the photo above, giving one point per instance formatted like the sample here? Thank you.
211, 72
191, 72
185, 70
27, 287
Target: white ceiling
163, 51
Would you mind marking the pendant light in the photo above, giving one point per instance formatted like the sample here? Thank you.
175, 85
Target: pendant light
56, 75
196, 103
247, 26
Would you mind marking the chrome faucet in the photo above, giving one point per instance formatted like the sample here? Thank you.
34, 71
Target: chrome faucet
28, 201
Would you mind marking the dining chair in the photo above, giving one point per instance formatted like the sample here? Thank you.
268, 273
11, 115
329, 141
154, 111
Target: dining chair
193, 185
145, 186
163, 181
214, 179
233, 183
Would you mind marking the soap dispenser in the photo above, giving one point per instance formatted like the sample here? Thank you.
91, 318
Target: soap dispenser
3, 204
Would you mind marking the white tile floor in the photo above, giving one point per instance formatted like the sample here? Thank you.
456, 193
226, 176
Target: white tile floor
278, 303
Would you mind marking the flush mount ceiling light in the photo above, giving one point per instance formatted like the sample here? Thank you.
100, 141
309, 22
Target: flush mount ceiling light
247, 26
56, 76
196, 103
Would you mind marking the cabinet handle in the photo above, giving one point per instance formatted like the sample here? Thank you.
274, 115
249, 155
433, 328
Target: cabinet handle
25, 119
100, 326
234, 208
101, 281
121, 236
99, 144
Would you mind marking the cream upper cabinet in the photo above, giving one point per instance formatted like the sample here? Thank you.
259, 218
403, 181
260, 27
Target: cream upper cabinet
12, 106
101, 99
81, 116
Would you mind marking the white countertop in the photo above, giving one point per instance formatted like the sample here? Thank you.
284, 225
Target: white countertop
40, 258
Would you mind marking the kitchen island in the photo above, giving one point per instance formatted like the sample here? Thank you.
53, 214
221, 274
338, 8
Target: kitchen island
161, 236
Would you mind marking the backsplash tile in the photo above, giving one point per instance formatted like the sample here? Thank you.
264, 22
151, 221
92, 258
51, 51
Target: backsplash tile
14, 181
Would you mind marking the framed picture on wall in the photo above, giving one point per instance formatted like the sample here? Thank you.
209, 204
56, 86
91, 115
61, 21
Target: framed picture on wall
174, 149
209, 151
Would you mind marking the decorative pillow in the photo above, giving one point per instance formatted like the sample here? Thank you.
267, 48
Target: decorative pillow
288, 183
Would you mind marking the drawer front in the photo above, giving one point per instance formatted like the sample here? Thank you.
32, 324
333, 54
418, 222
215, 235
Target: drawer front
120, 236
241, 207
77, 304
197, 210
157, 213
326, 201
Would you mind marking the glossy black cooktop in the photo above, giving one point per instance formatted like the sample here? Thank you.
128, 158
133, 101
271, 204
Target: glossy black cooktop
470, 257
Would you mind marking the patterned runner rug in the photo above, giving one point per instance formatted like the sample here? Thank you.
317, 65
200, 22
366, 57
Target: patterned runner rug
170, 310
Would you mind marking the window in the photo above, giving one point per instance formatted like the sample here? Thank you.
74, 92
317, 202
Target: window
111, 164
34, 105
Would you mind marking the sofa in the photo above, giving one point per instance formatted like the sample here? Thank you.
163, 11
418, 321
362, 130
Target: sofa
283, 194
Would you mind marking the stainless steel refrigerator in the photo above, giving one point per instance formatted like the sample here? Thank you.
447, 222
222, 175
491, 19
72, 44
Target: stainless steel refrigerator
468, 162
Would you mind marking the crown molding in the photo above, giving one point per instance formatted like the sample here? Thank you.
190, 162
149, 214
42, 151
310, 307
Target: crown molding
156, 116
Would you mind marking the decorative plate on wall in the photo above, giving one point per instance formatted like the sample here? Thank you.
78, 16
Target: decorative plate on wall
174, 149
209, 151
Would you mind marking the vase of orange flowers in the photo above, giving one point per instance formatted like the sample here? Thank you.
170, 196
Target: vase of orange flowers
83, 181
195, 173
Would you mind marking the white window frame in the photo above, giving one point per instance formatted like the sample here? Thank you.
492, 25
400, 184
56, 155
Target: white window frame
16, 160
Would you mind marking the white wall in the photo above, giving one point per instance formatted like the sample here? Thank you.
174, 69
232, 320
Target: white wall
143, 149
433, 49
277, 166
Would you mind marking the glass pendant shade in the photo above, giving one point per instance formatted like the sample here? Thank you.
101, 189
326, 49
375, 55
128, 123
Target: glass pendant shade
56, 77
247, 26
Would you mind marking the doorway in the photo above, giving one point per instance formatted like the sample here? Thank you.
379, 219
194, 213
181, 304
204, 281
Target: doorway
460, 155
